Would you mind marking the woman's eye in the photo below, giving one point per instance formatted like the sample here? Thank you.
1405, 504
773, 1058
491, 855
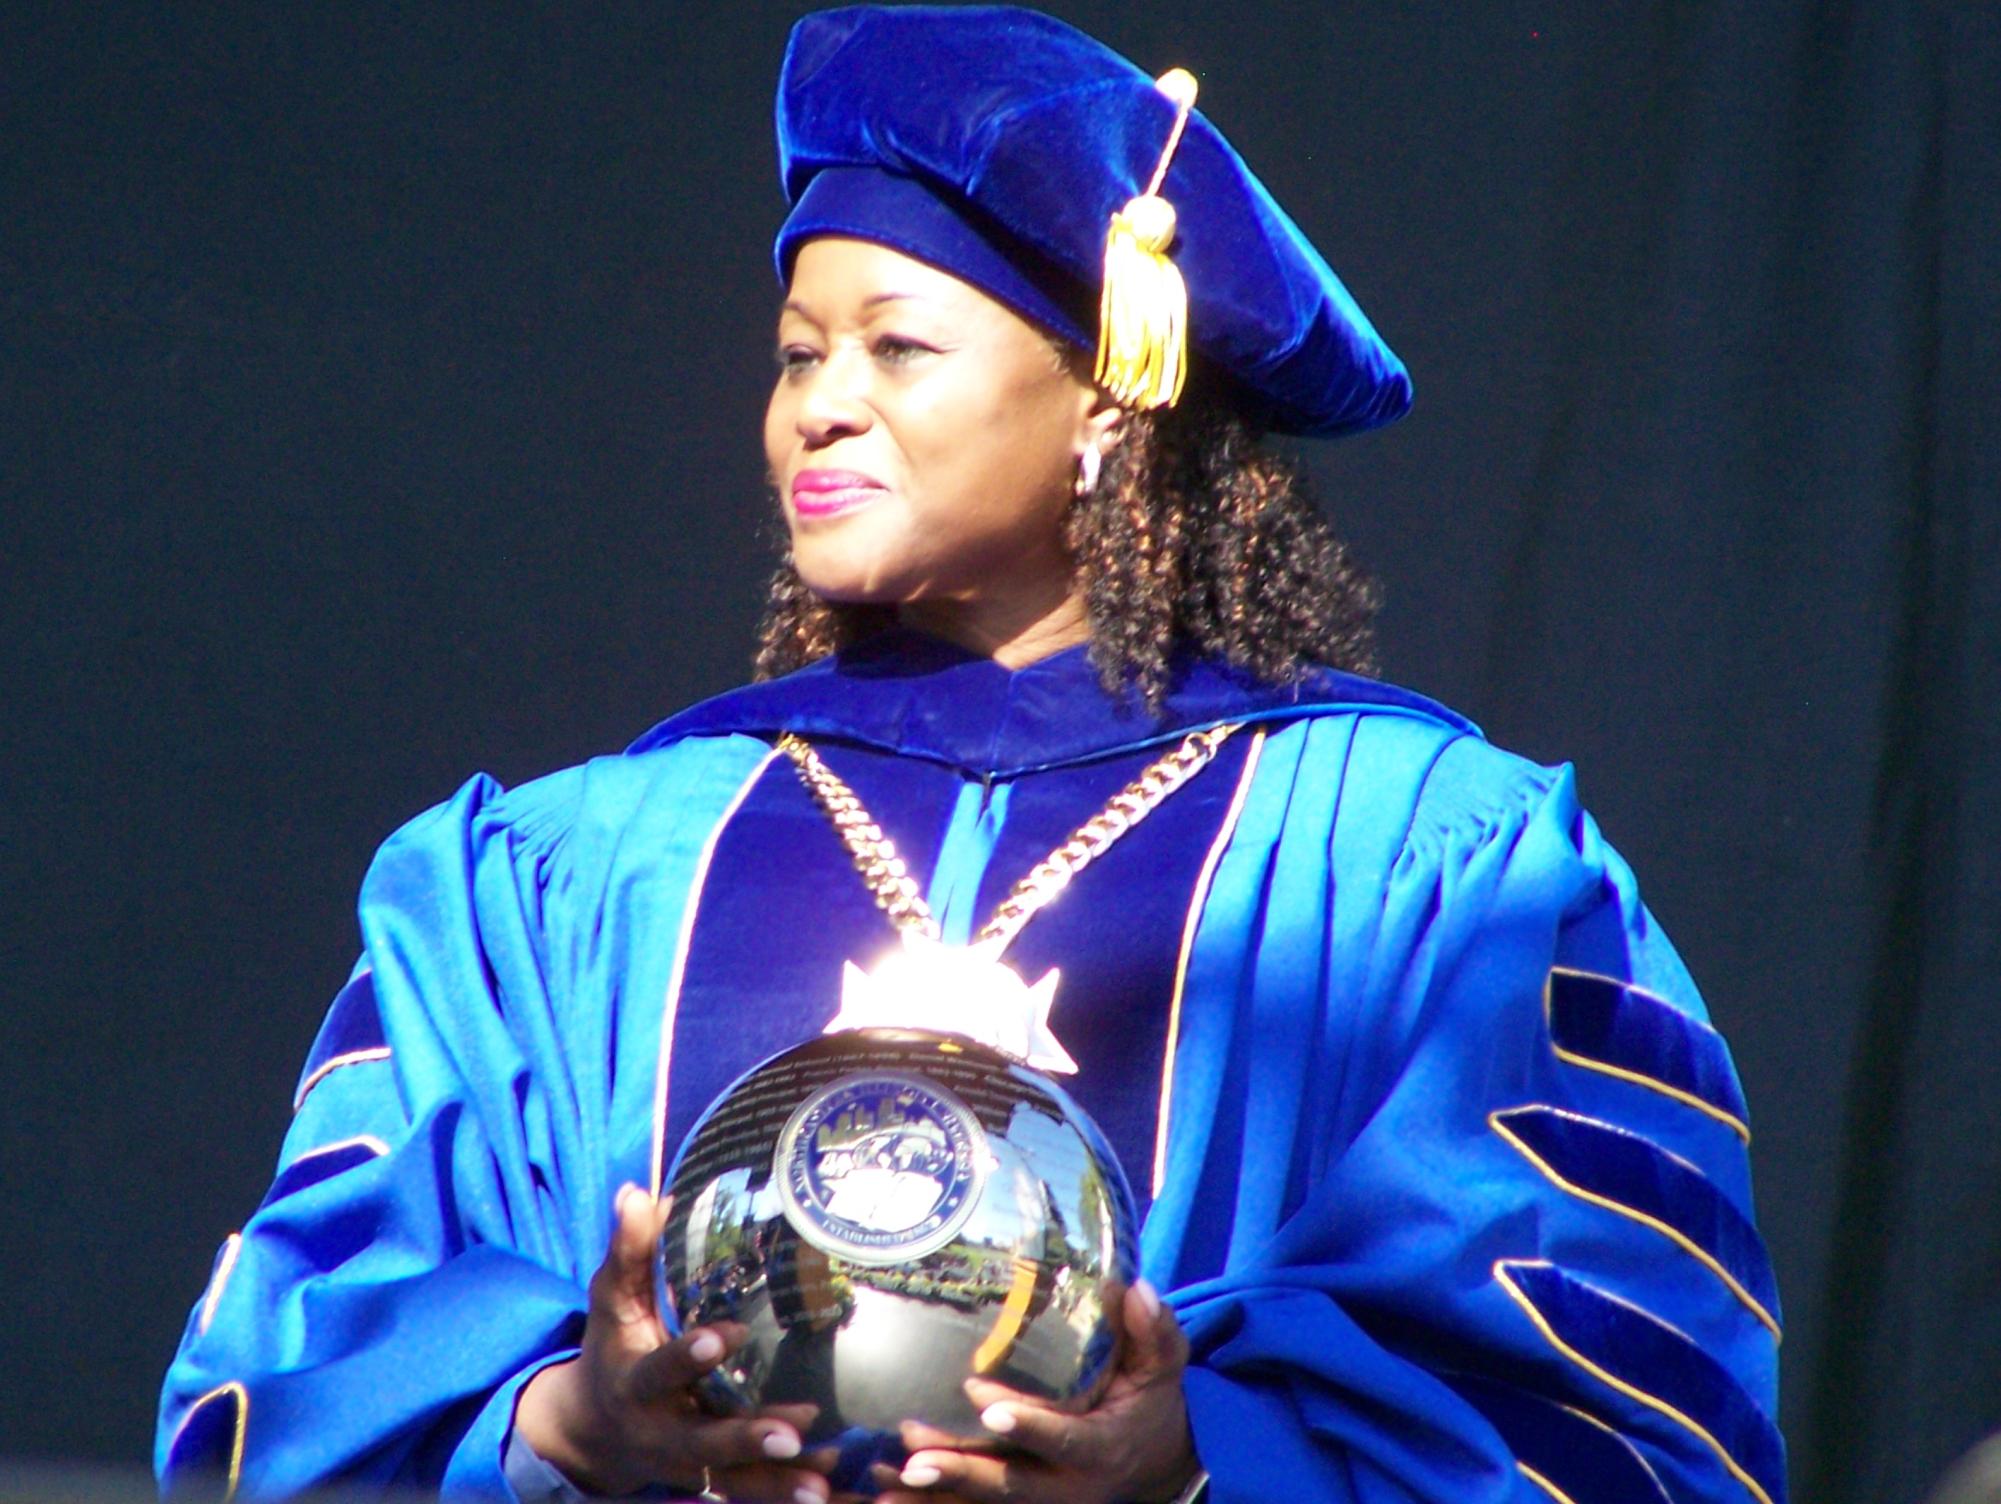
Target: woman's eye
790, 358
898, 349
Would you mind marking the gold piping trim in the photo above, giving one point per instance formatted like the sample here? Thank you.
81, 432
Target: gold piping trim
1203, 879
1605, 1376
1631, 1451
1543, 1483
671, 1004
1645, 1219
1584, 1062
352, 1057
236, 1441
224, 1267
367, 1141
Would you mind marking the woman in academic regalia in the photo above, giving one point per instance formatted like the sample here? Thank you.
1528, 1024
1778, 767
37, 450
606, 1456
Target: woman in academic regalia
1444, 1176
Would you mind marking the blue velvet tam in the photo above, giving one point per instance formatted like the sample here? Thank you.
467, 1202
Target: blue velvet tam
997, 143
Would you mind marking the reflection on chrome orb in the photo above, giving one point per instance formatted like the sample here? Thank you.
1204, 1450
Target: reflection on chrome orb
892, 1212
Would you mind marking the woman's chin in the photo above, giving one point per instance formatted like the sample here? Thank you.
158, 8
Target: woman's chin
847, 588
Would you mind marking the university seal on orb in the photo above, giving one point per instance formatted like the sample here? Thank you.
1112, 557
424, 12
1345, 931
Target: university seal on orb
880, 1167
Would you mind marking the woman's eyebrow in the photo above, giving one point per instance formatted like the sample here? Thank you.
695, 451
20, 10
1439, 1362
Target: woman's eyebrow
871, 301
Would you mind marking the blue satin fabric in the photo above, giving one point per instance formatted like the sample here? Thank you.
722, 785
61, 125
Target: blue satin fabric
1387, 1299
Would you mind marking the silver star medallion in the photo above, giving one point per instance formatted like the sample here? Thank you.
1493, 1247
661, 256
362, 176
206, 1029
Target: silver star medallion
956, 989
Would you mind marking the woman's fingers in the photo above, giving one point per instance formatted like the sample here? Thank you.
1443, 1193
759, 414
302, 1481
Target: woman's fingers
678, 1449
936, 1476
891, 1489
1137, 1433
668, 1370
743, 1443
916, 1436
769, 1484
623, 1285
1154, 1339
1042, 1432
683, 1441
625, 1413
799, 1417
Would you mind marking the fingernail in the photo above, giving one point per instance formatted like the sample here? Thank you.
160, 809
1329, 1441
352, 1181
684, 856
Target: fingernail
807, 1495
780, 1444
921, 1475
997, 1418
1148, 1297
706, 1348
624, 1195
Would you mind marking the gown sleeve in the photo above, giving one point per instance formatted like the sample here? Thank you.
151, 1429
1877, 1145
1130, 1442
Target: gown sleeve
415, 1259
1456, 1204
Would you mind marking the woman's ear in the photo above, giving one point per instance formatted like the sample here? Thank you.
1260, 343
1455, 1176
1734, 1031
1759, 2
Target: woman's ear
1103, 423
1099, 416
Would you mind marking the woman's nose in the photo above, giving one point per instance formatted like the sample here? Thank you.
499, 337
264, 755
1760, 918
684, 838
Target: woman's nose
834, 404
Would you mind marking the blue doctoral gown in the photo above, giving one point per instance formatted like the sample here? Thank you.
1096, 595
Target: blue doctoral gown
1446, 1170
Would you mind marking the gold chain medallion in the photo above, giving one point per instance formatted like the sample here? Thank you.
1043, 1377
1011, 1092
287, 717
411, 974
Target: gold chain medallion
969, 990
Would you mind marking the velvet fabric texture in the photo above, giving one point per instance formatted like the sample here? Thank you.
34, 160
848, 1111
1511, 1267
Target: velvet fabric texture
905, 215
1029, 135
967, 842
1388, 1298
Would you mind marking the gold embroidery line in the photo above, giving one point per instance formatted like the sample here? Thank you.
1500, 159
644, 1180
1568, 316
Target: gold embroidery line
224, 1267
1605, 1376
671, 1003
1543, 1483
1667, 1230
1585, 1062
1203, 879
1632, 1451
233, 1387
1687, 1099
368, 1141
352, 1057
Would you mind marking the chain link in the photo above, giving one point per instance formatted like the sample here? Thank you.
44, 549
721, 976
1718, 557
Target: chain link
872, 852
896, 893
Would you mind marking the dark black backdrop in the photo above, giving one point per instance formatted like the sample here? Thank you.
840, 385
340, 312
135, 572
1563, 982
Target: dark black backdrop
378, 399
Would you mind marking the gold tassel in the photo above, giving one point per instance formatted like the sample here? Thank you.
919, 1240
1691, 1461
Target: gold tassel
1143, 314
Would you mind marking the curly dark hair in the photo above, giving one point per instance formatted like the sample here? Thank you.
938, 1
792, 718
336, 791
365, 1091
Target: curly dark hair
1198, 535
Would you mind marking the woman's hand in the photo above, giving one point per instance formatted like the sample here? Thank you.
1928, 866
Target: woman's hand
622, 1415
1134, 1444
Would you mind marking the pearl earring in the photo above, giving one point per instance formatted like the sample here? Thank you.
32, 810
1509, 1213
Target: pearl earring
1088, 464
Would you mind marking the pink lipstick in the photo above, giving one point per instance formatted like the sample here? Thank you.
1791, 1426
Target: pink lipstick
824, 493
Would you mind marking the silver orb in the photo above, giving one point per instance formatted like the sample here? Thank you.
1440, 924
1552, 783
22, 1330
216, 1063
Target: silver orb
892, 1212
